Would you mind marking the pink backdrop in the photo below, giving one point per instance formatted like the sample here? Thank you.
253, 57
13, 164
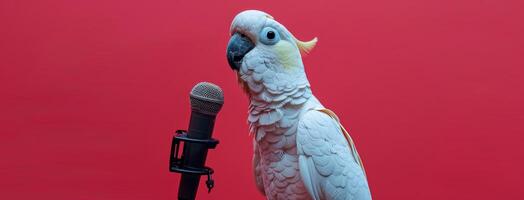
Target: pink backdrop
91, 92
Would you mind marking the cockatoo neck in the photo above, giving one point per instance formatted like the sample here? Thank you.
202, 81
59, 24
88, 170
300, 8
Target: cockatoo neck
268, 106
272, 87
278, 113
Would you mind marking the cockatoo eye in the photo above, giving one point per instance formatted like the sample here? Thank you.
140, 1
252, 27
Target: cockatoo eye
269, 36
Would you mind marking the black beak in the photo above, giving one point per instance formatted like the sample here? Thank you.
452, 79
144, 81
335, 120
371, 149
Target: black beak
239, 45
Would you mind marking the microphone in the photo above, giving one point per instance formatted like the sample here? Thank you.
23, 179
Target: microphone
206, 101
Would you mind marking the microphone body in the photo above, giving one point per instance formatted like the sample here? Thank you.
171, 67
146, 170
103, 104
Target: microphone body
206, 101
194, 155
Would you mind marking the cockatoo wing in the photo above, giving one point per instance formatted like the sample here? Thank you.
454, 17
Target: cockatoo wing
329, 165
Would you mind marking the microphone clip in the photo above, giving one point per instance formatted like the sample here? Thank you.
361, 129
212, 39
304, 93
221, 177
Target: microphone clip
176, 159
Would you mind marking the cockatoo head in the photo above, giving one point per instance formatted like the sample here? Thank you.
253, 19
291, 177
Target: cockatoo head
265, 54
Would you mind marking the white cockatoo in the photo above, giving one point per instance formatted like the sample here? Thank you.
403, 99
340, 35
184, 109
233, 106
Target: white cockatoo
300, 149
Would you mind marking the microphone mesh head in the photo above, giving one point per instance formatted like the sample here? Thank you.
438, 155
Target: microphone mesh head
206, 98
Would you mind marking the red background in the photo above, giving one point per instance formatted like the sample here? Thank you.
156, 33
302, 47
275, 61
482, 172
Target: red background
91, 92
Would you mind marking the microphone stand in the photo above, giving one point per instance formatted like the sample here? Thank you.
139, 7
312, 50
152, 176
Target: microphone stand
176, 159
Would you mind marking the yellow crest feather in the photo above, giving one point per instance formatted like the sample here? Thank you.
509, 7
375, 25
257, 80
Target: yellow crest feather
306, 47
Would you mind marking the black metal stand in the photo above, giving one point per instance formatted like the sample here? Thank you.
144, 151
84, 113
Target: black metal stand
176, 160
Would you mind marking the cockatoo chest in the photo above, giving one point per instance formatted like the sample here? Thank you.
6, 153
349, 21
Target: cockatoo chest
279, 160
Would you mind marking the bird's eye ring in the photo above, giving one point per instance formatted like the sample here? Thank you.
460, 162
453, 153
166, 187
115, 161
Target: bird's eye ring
269, 36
